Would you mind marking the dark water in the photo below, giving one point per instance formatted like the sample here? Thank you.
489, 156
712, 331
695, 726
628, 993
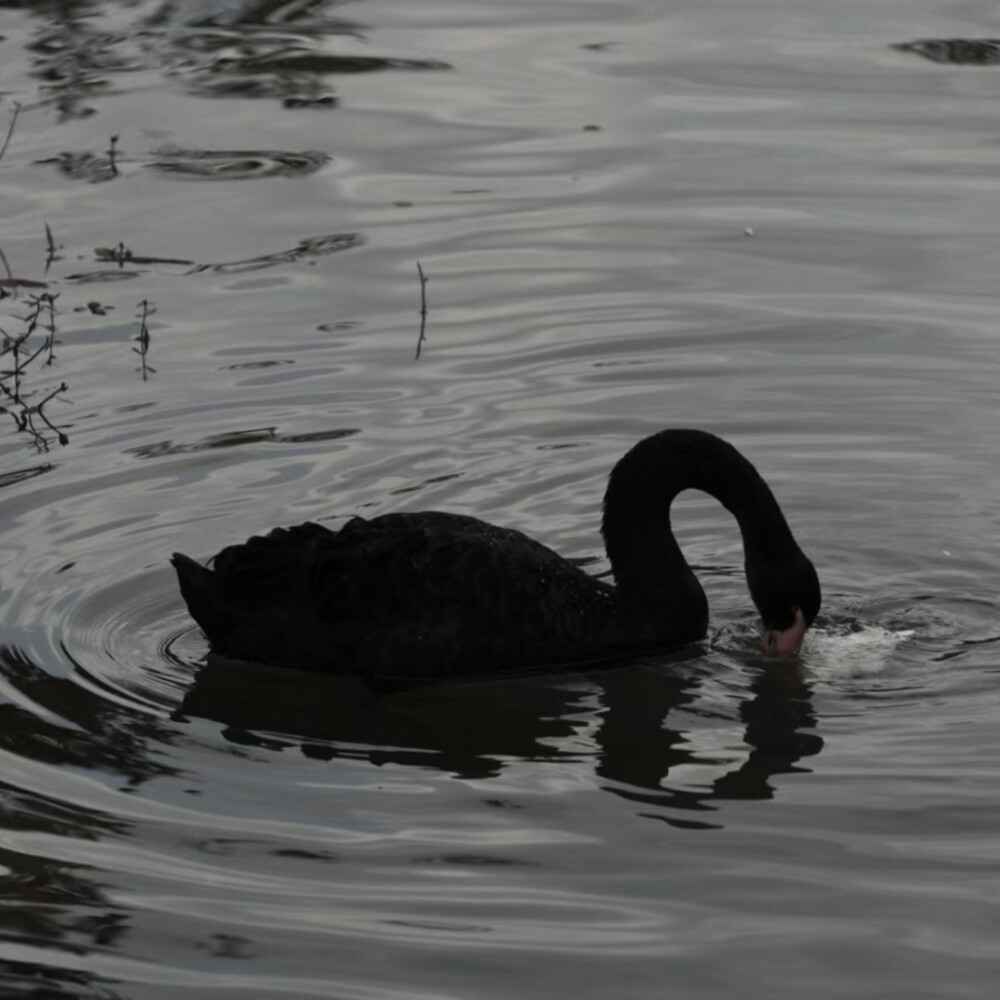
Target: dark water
759, 218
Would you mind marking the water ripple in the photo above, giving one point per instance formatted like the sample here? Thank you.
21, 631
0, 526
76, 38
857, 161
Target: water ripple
780, 229
228, 165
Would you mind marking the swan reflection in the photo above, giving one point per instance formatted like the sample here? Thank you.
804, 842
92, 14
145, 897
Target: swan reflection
620, 722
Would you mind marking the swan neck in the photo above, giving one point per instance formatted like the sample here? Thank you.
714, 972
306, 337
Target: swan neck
640, 543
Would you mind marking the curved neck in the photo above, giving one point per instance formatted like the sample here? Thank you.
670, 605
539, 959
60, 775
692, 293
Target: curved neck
647, 562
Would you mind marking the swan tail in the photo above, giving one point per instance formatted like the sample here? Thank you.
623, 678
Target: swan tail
200, 590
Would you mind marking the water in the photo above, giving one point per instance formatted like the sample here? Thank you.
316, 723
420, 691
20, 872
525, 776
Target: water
761, 219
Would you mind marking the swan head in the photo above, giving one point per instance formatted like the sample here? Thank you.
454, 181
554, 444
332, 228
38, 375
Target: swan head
784, 642
787, 595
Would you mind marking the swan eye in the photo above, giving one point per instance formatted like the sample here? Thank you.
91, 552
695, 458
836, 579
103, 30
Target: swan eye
770, 642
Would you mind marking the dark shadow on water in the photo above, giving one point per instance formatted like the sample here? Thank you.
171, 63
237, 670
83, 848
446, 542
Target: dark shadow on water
30, 981
20, 475
80, 729
234, 439
472, 730
955, 51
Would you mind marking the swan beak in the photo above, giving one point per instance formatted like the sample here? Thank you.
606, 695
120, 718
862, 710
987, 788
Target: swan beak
786, 642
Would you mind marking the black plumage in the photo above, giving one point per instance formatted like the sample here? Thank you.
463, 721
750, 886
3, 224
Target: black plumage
431, 594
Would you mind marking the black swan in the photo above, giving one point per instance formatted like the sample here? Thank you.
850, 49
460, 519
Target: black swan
430, 594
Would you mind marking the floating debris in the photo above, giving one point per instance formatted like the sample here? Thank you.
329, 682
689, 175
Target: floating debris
105, 277
122, 254
957, 51
234, 439
316, 246
423, 311
21, 283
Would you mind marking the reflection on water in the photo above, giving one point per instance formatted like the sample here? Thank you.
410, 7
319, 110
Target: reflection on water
237, 48
56, 721
618, 719
639, 751
94, 168
204, 164
19, 475
60, 905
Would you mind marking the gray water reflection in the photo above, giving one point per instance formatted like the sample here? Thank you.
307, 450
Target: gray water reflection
232, 49
61, 906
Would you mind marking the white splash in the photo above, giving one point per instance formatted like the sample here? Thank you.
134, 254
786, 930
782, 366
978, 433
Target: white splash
852, 654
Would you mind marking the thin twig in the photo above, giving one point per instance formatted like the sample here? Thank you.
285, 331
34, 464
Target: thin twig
19, 366
17, 399
119, 254
50, 306
10, 129
52, 251
61, 436
144, 339
423, 311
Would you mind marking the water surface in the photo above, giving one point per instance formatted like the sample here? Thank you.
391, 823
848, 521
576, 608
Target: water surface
775, 221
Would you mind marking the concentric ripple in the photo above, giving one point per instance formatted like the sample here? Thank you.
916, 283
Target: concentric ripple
134, 638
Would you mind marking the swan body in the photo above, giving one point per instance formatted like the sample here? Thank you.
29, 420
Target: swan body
432, 594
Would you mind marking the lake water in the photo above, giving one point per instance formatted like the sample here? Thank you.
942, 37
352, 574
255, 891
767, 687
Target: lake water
758, 217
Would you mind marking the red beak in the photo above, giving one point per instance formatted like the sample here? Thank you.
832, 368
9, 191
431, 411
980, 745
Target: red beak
786, 642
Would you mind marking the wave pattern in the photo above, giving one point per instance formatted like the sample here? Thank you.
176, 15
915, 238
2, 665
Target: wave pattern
627, 217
